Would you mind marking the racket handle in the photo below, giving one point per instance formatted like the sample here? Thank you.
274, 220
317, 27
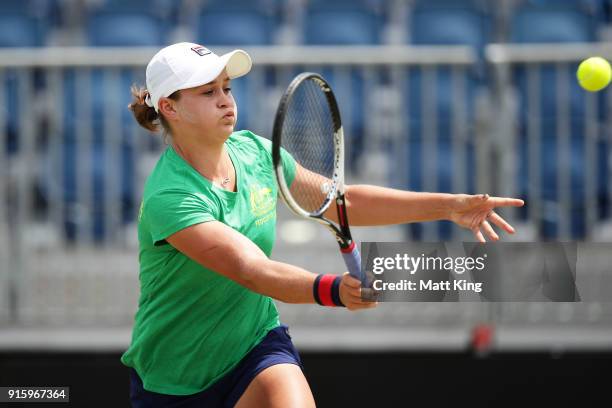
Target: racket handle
352, 259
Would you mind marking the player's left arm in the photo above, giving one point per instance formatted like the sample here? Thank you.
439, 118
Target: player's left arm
372, 205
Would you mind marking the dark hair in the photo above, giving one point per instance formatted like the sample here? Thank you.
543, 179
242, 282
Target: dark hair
145, 115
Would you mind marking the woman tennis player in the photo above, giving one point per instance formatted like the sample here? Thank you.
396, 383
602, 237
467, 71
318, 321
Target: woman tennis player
207, 332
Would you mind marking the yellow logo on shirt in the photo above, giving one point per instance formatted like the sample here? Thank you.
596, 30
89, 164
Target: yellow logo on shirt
263, 204
261, 199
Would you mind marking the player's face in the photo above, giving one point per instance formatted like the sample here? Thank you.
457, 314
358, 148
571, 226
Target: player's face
209, 109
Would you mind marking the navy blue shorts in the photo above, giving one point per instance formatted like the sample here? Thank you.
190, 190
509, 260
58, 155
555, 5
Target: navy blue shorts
275, 348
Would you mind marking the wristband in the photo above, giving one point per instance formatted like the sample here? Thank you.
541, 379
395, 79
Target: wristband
326, 290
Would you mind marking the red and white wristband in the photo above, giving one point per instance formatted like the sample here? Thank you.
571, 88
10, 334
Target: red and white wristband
326, 290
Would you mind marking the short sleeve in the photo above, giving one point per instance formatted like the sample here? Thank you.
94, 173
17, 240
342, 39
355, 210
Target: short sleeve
169, 211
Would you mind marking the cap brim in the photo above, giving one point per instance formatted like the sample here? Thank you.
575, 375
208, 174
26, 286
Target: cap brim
236, 63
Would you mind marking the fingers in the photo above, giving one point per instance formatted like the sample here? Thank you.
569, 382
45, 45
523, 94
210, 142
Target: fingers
480, 221
478, 234
501, 223
353, 304
506, 202
490, 231
497, 201
350, 294
481, 197
350, 280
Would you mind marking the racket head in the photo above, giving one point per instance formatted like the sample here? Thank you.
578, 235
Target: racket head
308, 126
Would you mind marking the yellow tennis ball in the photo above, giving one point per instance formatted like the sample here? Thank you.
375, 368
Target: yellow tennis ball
594, 74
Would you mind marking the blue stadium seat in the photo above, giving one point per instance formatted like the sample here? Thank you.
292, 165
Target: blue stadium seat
342, 24
19, 30
45, 13
592, 6
235, 28
335, 4
155, 7
481, 5
31, 7
342, 28
116, 29
547, 25
25, 23
237, 23
449, 26
134, 23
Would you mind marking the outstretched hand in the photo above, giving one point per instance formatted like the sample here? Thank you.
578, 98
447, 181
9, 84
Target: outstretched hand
476, 212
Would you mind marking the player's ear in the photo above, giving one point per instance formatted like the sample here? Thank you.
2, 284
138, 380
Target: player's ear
167, 108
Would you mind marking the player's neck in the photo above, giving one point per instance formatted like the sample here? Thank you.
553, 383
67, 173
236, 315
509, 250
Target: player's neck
208, 159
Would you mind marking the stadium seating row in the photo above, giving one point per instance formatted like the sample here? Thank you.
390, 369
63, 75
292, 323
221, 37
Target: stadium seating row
261, 22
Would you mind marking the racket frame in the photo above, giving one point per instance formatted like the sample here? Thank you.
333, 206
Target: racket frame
337, 188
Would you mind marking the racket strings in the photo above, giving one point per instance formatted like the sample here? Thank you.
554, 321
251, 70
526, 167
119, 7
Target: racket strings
308, 135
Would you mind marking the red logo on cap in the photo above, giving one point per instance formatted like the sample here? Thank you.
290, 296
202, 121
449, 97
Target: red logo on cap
201, 51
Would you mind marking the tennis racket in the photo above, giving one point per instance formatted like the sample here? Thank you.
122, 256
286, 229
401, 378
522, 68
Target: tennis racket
308, 126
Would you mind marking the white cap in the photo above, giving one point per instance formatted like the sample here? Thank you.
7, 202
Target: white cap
187, 65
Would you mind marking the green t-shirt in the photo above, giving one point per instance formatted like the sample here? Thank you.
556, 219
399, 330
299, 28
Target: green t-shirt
193, 325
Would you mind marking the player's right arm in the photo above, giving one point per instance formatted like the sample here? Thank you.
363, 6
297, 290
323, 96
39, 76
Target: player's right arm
220, 248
